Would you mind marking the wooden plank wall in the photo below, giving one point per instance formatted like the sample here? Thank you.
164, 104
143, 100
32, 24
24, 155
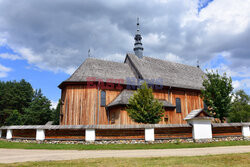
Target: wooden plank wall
24, 133
4, 133
80, 106
65, 134
181, 132
226, 131
119, 134
189, 101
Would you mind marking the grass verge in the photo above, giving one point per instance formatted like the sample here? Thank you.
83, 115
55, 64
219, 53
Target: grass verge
16, 145
236, 160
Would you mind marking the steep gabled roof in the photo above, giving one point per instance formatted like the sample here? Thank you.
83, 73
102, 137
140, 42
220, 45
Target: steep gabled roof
101, 69
165, 72
171, 73
123, 99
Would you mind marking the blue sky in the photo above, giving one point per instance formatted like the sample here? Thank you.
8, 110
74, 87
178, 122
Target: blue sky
203, 4
44, 42
39, 78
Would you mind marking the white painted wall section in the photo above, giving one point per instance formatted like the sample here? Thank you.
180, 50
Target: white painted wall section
9, 134
149, 134
90, 135
246, 131
40, 134
0, 133
202, 129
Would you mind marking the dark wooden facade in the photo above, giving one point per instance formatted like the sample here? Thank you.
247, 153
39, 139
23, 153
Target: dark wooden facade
80, 105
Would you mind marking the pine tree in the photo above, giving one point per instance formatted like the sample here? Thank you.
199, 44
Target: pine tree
39, 112
143, 107
14, 98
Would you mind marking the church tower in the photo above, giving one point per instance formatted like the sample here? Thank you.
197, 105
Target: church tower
138, 49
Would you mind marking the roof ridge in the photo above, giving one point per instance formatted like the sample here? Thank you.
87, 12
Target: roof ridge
171, 62
99, 59
164, 60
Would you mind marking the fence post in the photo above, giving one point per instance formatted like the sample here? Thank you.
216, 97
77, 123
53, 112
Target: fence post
90, 135
9, 134
202, 129
40, 134
246, 131
149, 134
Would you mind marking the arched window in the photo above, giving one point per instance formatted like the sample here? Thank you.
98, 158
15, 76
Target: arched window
103, 98
178, 105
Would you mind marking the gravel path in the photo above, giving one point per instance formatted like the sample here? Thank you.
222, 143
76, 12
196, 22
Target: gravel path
23, 155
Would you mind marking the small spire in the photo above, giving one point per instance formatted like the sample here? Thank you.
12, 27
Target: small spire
198, 64
138, 25
138, 49
89, 54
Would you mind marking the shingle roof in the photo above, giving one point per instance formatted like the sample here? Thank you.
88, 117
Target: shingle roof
172, 74
169, 73
101, 69
123, 99
194, 113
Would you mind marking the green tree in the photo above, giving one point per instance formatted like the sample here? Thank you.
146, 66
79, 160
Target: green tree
14, 117
56, 113
240, 111
217, 94
143, 107
14, 98
20, 104
39, 112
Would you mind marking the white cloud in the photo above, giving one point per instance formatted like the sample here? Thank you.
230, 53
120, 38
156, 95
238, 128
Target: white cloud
226, 16
238, 72
53, 104
236, 84
242, 84
58, 34
4, 71
9, 56
153, 39
174, 58
29, 55
3, 36
70, 70
115, 57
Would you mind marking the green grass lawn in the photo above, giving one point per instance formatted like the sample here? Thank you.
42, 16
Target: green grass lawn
6, 144
236, 160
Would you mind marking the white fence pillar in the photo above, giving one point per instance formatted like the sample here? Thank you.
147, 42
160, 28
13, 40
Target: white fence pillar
0, 133
40, 134
245, 131
90, 135
202, 129
149, 134
9, 134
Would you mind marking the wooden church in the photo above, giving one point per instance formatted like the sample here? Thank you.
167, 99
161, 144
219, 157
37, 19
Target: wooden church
97, 93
